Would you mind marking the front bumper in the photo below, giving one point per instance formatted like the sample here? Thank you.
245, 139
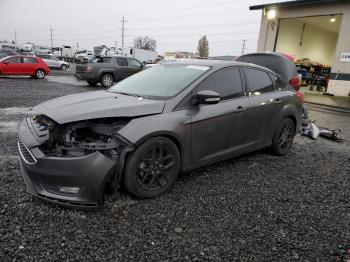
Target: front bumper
45, 176
89, 173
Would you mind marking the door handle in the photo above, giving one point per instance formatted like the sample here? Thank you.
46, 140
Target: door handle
240, 109
275, 101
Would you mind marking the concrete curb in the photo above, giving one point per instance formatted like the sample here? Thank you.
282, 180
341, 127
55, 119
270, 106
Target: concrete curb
330, 107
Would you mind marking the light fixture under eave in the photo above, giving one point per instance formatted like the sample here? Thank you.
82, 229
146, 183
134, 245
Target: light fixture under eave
332, 20
271, 14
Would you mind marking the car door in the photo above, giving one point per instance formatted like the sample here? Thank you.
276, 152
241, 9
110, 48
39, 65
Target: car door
219, 129
122, 69
12, 66
28, 65
264, 103
134, 66
56, 62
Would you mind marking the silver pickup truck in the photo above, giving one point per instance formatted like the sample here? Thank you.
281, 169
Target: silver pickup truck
107, 70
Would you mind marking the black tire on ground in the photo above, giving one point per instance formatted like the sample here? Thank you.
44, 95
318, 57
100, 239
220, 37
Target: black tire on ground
64, 67
107, 80
40, 74
92, 83
153, 168
283, 137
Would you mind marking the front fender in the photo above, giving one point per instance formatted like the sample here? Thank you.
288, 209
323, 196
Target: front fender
174, 125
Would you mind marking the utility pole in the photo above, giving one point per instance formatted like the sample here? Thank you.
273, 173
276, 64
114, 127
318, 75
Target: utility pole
15, 40
243, 47
123, 29
51, 36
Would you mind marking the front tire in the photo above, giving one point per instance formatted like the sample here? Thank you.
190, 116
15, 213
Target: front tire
153, 168
64, 67
283, 138
107, 80
40, 74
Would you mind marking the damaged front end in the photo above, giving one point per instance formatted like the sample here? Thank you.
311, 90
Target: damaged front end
83, 138
73, 161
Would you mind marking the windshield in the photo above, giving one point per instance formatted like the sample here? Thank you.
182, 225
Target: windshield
160, 82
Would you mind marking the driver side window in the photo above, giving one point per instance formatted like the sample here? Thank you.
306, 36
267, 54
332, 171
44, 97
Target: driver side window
134, 63
14, 60
226, 82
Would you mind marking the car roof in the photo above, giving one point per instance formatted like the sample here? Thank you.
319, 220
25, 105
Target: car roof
220, 63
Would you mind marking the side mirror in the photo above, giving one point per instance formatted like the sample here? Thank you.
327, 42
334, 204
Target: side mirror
207, 97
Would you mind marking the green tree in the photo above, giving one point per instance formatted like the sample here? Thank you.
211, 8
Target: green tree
203, 47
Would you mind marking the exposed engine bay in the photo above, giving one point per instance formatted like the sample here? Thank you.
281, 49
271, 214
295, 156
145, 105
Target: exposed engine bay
81, 138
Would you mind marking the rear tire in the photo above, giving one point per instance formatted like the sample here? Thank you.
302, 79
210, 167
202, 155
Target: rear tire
64, 67
283, 137
153, 168
40, 74
107, 80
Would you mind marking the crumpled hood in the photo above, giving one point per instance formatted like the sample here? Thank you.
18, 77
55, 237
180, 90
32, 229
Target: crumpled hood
97, 104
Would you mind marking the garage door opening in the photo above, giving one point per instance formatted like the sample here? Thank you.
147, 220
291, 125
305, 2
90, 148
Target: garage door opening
312, 41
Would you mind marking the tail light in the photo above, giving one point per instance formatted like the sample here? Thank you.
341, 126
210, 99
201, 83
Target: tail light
300, 96
295, 83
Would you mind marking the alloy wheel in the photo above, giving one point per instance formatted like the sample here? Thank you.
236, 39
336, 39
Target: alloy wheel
285, 137
107, 80
40, 74
155, 168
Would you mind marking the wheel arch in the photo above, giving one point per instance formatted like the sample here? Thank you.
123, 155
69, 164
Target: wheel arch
292, 113
171, 136
104, 72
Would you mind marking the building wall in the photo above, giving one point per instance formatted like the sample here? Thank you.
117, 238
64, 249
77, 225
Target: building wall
318, 45
268, 33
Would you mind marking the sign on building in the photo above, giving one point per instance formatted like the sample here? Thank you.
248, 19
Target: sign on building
345, 57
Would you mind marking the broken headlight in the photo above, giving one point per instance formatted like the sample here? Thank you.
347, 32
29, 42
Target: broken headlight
85, 137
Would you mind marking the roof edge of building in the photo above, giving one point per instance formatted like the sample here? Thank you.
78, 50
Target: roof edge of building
292, 3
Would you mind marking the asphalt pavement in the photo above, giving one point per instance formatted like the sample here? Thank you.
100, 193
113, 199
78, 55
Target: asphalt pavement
257, 207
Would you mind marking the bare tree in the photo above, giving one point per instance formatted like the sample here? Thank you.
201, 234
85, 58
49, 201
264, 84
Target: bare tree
203, 47
146, 43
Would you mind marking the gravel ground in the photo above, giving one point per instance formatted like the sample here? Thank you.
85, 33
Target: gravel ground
253, 208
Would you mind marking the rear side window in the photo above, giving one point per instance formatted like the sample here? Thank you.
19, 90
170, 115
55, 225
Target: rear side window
29, 60
258, 82
122, 61
226, 82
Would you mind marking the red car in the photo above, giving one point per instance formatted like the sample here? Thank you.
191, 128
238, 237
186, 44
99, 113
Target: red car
24, 65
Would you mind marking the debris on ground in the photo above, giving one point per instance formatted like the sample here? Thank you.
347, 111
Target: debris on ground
310, 129
331, 134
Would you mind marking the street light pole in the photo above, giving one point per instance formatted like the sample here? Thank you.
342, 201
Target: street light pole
243, 47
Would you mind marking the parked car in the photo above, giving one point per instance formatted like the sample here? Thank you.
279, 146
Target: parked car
24, 65
107, 70
145, 130
54, 63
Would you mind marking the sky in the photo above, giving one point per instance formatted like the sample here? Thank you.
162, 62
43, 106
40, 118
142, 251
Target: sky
175, 25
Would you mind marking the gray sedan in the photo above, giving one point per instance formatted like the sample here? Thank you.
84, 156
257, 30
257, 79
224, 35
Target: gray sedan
146, 129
